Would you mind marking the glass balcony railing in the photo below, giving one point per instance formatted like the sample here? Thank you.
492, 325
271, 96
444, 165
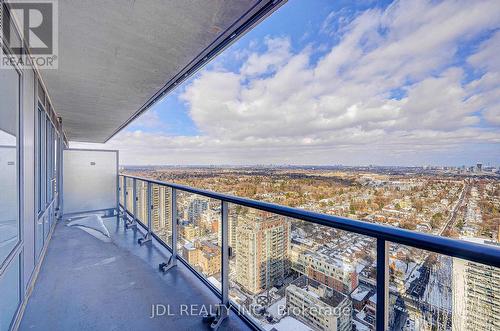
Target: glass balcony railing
280, 267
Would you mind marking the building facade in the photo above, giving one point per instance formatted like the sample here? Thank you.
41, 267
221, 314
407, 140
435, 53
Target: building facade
319, 305
334, 273
262, 249
476, 296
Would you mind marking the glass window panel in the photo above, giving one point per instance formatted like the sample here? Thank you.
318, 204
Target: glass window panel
43, 151
55, 160
14, 40
48, 158
39, 160
10, 293
9, 111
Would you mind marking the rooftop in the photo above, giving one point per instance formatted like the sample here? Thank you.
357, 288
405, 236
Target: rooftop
331, 297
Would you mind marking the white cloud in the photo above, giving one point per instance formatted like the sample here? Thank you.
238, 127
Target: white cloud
349, 87
149, 120
487, 89
277, 55
346, 146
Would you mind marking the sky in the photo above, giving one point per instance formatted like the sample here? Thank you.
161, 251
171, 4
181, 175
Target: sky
338, 82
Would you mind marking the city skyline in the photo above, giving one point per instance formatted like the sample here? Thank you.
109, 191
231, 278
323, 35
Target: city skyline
373, 84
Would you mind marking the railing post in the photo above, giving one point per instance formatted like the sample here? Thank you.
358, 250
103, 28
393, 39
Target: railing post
223, 309
132, 223
382, 312
225, 253
125, 193
119, 190
134, 193
150, 210
173, 206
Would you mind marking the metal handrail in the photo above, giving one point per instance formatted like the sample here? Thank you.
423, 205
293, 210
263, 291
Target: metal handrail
485, 254
384, 235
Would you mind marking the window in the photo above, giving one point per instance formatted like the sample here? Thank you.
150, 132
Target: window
46, 160
9, 184
55, 160
42, 158
46, 154
39, 160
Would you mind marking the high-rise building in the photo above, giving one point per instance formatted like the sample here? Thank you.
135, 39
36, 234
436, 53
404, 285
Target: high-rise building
262, 247
196, 208
142, 202
161, 219
232, 227
476, 295
161, 216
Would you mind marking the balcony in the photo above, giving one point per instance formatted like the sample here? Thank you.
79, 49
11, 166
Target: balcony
84, 246
151, 261
148, 267
113, 285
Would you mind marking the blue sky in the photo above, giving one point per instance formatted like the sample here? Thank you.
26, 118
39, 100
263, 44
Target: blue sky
329, 82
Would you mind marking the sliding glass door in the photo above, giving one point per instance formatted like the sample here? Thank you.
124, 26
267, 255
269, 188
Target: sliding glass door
10, 238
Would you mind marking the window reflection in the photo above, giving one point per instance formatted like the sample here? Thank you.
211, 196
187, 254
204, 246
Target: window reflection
9, 107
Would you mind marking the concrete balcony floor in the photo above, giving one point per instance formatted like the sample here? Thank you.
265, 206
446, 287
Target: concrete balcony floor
87, 284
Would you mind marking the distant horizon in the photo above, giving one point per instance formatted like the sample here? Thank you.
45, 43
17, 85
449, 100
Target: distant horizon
306, 165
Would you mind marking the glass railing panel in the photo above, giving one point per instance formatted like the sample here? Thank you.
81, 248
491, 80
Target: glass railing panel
142, 201
46, 225
431, 291
286, 272
53, 214
120, 189
129, 194
161, 214
39, 235
199, 238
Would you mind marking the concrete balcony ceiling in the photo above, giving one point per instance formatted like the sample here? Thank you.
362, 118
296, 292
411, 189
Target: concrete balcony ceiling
116, 57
